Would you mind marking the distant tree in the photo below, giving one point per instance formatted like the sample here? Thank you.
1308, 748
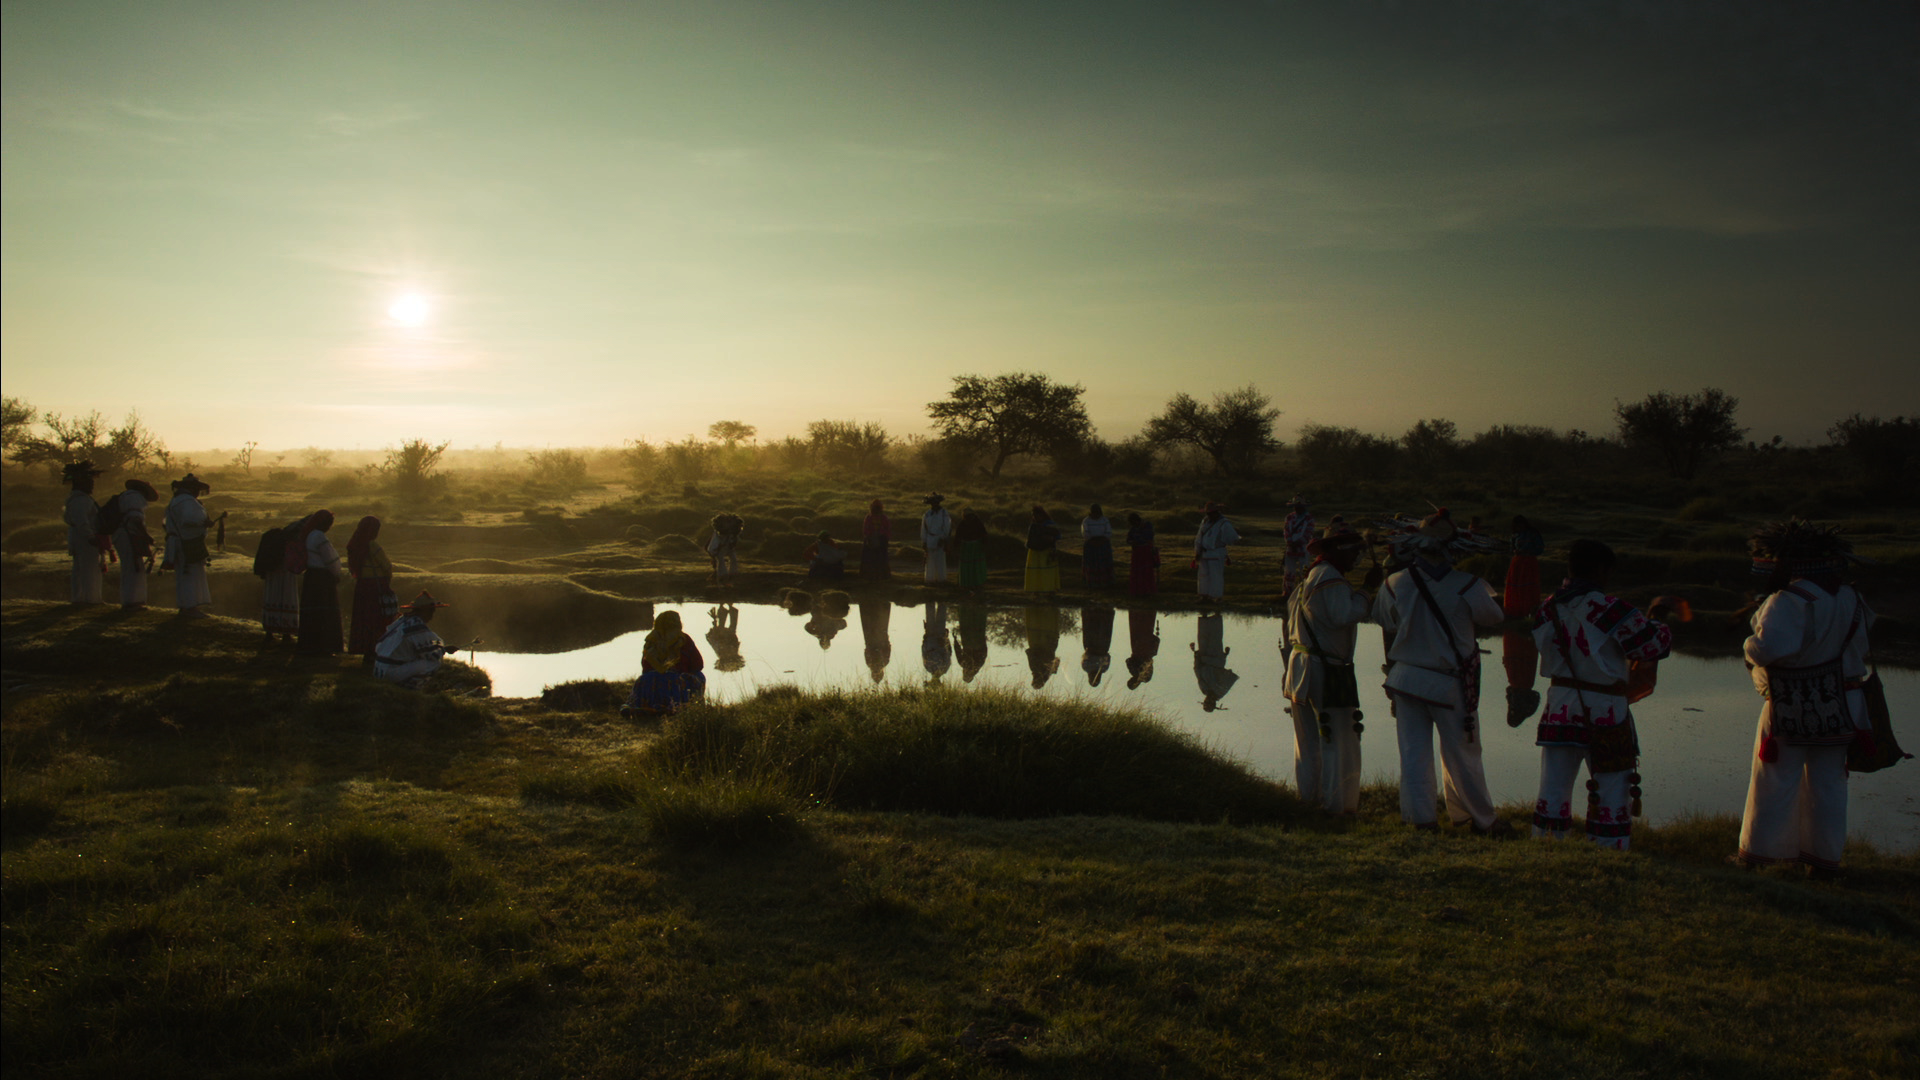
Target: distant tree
848, 444
1682, 429
1432, 444
1017, 413
113, 449
730, 432
16, 421
411, 465
1513, 452
1345, 454
316, 458
565, 470
1888, 450
688, 460
243, 458
642, 460
1235, 431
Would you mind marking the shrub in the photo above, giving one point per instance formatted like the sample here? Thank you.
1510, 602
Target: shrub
49, 536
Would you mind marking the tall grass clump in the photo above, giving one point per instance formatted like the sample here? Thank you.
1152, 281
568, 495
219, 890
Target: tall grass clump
985, 753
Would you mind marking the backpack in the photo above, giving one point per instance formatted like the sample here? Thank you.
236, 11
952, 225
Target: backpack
107, 521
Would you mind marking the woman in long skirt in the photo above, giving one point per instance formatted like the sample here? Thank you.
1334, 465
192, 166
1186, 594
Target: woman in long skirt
876, 532
1096, 552
1043, 553
1143, 569
972, 535
670, 670
374, 603
320, 588
280, 604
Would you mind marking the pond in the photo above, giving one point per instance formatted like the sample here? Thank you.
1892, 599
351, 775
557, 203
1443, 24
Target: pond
1218, 677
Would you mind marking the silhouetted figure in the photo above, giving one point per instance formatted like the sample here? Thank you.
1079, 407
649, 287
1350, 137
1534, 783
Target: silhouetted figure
1043, 553
83, 546
1043, 642
319, 587
724, 638
1143, 557
876, 614
970, 640
1143, 640
1210, 660
936, 652
1210, 544
876, 533
1096, 549
1096, 638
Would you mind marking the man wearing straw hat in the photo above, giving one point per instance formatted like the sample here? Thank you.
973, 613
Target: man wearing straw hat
186, 548
410, 651
1323, 614
83, 520
131, 540
936, 528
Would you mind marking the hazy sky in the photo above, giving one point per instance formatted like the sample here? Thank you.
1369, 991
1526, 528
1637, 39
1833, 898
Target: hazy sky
633, 219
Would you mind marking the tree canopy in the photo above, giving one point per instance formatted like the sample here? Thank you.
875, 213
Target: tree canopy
1681, 428
1016, 413
1235, 431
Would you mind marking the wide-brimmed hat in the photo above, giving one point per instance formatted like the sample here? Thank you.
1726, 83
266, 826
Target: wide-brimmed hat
79, 469
144, 489
1798, 548
426, 602
192, 483
933, 498
824, 535
1338, 537
1297, 500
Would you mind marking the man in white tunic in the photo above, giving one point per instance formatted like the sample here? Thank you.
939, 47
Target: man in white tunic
131, 541
1808, 655
1429, 611
1322, 615
936, 530
1586, 640
410, 651
186, 548
1210, 546
83, 519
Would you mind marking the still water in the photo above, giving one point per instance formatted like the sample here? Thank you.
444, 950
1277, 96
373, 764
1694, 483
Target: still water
1218, 677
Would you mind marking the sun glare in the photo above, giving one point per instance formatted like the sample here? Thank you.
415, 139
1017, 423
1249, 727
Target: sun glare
409, 310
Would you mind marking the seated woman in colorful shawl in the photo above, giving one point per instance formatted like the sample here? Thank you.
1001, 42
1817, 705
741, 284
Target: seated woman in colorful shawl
374, 604
876, 533
1043, 554
1143, 567
670, 670
410, 651
825, 559
972, 535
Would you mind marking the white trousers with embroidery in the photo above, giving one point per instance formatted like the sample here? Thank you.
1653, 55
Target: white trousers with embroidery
1466, 778
1609, 817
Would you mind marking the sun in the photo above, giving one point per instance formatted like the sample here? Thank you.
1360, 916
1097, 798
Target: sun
409, 310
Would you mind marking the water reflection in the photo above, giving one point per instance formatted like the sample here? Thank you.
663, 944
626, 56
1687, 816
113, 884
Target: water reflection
1696, 731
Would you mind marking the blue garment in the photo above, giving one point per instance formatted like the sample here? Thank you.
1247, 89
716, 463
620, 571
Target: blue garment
666, 691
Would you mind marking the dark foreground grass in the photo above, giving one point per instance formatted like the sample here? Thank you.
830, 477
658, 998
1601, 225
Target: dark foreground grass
327, 894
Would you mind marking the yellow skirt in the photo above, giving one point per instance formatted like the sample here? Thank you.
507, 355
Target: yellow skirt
1043, 571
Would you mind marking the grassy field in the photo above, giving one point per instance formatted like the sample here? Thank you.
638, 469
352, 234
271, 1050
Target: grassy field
220, 860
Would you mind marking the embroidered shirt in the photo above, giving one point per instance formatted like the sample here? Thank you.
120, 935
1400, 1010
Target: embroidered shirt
1590, 637
1804, 624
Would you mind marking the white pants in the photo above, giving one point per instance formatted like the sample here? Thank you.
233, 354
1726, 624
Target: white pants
407, 672
1327, 771
1797, 806
85, 588
937, 564
726, 563
133, 582
1210, 578
1609, 817
1466, 778
190, 588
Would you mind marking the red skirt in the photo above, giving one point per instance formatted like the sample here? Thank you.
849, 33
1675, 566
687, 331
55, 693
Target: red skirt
370, 616
1523, 585
1143, 572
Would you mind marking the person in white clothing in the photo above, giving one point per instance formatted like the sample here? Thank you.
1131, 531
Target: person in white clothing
936, 529
186, 546
1808, 655
1428, 611
410, 651
1210, 546
83, 520
723, 547
1210, 654
1322, 616
1587, 640
131, 541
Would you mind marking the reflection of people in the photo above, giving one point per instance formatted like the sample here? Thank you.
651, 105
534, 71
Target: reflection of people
824, 625
186, 546
670, 670
971, 640
723, 547
1143, 557
936, 529
1210, 660
936, 652
1096, 551
280, 600
876, 613
131, 540
972, 535
1812, 623
1043, 642
1298, 530
1586, 640
1096, 639
1143, 640
1322, 614
1433, 677
319, 587
724, 638
410, 651
825, 559
1210, 545
1043, 554
374, 604
83, 520
876, 532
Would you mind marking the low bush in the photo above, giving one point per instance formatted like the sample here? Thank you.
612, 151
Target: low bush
49, 536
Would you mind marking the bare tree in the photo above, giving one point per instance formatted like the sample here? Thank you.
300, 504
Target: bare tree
16, 422
412, 464
1017, 413
1681, 428
243, 459
1235, 431
113, 449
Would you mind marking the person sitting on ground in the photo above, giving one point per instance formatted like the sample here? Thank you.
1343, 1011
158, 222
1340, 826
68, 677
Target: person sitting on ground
826, 560
670, 670
723, 547
409, 651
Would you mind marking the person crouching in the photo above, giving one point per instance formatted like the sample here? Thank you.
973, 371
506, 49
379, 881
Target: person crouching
410, 651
